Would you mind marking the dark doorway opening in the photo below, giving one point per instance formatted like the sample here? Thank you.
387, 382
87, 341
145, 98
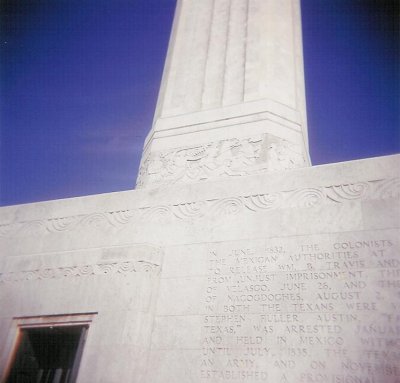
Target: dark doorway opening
48, 355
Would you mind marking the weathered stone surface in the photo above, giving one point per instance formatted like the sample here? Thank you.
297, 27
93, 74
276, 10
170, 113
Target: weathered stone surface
232, 97
296, 309
285, 277
221, 267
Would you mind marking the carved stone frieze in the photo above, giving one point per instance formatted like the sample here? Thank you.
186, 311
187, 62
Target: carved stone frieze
121, 268
218, 207
225, 158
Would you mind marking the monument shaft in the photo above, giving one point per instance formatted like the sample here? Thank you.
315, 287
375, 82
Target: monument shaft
232, 99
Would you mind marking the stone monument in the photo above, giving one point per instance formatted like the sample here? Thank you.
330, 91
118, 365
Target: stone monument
234, 259
232, 99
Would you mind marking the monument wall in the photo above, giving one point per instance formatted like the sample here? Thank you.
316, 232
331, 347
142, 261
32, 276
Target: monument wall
111, 290
283, 278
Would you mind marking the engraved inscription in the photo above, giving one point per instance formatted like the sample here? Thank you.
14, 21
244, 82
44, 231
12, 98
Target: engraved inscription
301, 310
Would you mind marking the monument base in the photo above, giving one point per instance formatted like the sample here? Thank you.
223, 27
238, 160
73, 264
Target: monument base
291, 277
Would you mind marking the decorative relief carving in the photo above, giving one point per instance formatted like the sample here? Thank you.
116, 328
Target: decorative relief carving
306, 198
226, 158
122, 268
62, 224
349, 191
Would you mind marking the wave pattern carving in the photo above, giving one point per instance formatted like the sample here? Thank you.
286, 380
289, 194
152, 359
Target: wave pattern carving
222, 207
122, 268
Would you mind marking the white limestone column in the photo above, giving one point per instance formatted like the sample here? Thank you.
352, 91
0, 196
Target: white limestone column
232, 99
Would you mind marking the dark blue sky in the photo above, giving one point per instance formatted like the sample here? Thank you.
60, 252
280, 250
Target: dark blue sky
79, 82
